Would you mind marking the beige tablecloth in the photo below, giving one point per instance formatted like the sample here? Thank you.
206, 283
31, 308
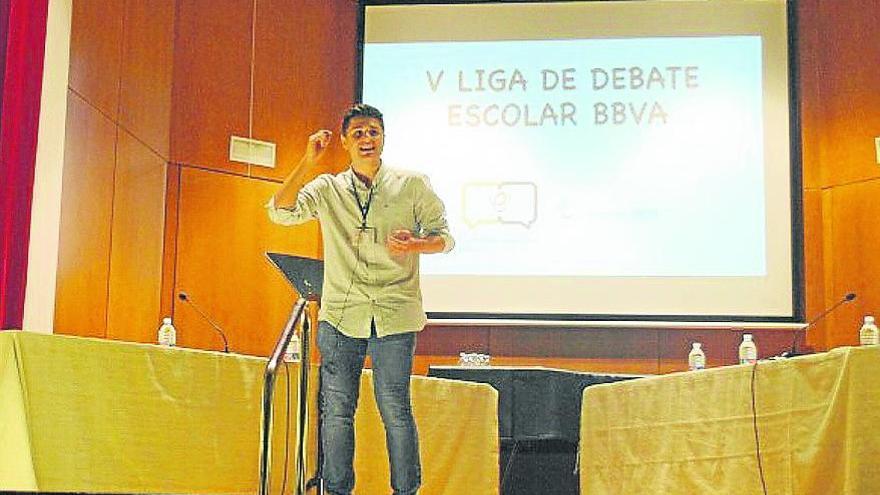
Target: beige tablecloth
818, 422
101, 416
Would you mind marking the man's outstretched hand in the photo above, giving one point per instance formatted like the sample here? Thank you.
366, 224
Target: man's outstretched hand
402, 242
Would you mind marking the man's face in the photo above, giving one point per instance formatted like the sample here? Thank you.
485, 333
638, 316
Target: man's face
364, 140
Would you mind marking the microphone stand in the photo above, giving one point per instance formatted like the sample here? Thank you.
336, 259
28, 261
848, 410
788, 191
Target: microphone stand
183, 296
793, 352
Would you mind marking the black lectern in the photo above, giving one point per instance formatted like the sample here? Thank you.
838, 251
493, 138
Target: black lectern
307, 276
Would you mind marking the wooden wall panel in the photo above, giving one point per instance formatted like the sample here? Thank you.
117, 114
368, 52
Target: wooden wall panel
605, 350
223, 233
573, 342
849, 73
841, 116
628, 350
304, 78
95, 52
136, 247
825, 327
617, 350
856, 264
452, 340
169, 242
586, 349
814, 267
145, 86
809, 88
86, 206
212, 67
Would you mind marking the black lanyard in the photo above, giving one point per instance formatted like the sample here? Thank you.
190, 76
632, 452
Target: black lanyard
364, 207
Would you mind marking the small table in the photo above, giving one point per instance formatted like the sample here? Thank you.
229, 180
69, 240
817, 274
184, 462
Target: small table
539, 411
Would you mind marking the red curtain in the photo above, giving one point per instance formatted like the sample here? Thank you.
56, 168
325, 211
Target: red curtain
23, 47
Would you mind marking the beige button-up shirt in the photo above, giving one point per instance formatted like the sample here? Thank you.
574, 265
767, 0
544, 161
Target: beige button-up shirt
363, 282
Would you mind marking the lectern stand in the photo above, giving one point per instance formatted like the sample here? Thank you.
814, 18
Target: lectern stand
306, 275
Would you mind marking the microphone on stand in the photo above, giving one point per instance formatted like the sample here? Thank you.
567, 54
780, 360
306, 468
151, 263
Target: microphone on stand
185, 298
794, 350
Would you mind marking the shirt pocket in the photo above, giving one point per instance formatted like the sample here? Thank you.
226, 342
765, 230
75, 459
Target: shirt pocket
396, 216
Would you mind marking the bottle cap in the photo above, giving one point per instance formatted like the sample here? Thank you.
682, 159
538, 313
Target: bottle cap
166, 320
869, 319
747, 337
697, 345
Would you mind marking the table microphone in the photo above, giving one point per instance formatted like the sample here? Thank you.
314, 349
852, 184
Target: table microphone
185, 298
794, 350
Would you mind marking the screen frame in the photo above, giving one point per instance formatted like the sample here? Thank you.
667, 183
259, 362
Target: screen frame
795, 174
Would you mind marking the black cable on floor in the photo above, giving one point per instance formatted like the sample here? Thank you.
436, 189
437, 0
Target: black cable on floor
509, 462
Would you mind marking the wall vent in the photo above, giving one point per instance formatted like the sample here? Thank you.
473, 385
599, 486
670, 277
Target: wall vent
251, 151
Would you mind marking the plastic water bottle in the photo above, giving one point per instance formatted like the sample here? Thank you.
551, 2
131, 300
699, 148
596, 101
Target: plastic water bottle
748, 352
473, 359
696, 358
167, 333
869, 335
293, 350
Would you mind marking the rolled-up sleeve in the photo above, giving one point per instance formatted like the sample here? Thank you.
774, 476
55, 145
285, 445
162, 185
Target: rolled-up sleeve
431, 214
304, 209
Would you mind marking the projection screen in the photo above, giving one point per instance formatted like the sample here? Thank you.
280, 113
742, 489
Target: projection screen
598, 160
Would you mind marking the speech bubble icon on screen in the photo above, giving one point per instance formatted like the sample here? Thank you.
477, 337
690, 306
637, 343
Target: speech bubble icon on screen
488, 203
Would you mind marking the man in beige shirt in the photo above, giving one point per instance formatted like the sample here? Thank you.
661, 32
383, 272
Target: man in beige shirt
375, 221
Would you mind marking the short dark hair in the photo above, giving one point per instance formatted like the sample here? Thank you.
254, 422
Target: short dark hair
361, 110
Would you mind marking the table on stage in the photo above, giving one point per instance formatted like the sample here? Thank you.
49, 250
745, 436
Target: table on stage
818, 429
539, 412
90, 415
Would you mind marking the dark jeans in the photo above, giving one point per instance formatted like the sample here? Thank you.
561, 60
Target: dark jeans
342, 359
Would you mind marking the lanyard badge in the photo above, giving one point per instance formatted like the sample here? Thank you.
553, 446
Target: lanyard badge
363, 230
